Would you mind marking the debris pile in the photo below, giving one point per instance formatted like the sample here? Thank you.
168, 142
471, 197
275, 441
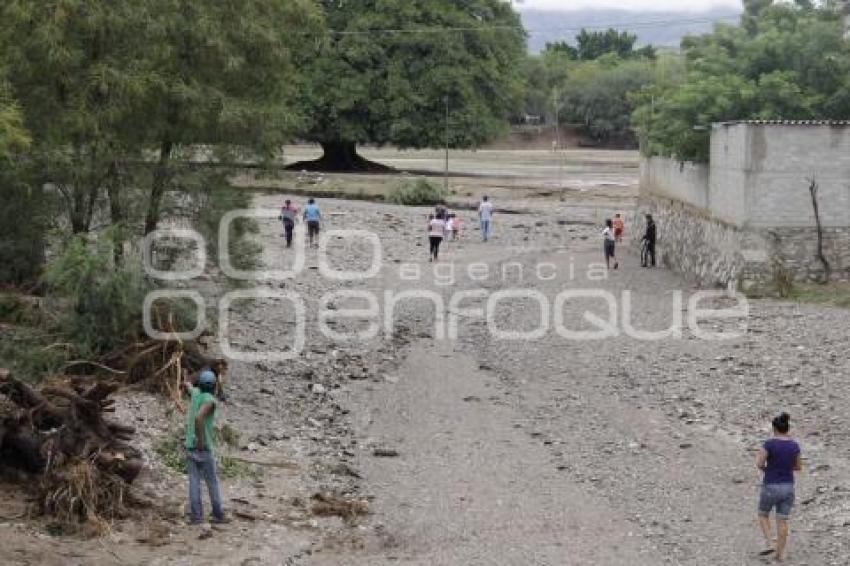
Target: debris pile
59, 442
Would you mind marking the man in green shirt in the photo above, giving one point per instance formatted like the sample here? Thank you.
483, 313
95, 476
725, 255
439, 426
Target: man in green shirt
200, 456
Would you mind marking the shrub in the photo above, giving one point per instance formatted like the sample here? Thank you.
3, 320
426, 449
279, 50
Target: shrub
212, 199
418, 192
22, 228
106, 309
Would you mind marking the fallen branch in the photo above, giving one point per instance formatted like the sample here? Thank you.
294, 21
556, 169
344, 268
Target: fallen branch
91, 363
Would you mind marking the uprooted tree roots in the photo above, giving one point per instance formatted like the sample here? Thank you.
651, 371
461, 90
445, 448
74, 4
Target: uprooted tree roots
59, 436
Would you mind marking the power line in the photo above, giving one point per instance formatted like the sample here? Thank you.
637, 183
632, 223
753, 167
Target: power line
633, 25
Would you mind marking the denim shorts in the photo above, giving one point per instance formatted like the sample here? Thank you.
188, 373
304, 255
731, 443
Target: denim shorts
779, 496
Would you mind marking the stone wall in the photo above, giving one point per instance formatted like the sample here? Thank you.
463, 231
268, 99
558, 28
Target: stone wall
709, 251
734, 221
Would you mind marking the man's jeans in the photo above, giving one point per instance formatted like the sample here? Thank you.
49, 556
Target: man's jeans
202, 464
485, 229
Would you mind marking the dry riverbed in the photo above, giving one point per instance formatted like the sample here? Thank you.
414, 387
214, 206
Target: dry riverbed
487, 451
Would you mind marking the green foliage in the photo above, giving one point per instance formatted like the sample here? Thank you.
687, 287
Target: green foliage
418, 192
389, 87
13, 135
106, 301
597, 94
173, 455
23, 219
590, 84
785, 61
212, 198
30, 354
100, 84
594, 44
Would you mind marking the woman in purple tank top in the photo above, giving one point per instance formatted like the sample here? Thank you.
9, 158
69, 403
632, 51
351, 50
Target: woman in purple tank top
778, 458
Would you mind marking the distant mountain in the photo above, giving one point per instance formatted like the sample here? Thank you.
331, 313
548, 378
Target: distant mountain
661, 28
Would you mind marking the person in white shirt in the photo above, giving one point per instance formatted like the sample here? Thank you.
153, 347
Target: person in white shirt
436, 232
610, 243
450, 228
485, 216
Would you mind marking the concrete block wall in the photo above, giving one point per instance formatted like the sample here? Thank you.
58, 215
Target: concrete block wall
763, 172
750, 208
683, 181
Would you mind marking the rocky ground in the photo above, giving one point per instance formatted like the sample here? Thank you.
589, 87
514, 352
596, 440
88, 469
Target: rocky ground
486, 451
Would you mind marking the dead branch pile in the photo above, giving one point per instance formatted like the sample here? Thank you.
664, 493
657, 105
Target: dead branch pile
160, 365
78, 462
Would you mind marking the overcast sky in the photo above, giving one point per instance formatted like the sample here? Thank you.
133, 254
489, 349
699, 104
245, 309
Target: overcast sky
629, 4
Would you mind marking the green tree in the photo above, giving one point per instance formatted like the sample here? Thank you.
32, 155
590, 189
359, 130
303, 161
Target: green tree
105, 85
21, 220
220, 73
594, 44
72, 65
387, 69
596, 96
785, 61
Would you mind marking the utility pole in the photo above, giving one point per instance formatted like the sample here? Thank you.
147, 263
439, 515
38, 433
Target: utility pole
446, 173
557, 107
557, 144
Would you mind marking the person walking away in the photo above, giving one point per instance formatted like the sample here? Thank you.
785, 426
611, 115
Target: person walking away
457, 224
199, 444
619, 228
485, 217
288, 214
313, 217
650, 237
436, 232
610, 243
778, 459
450, 228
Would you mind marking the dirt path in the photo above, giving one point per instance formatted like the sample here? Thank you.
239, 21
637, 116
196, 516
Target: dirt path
469, 486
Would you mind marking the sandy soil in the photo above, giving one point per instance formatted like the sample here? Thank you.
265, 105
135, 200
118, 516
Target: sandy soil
548, 451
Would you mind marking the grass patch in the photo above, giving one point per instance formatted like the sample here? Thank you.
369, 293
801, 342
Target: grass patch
418, 192
173, 455
832, 294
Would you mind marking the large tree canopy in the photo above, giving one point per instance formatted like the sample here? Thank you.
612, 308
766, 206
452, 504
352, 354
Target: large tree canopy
387, 68
785, 61
104, 83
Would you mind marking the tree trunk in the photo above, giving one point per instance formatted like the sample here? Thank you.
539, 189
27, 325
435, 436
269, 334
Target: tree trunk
161, 177
827, 269
78, 210
116, 215
339, 156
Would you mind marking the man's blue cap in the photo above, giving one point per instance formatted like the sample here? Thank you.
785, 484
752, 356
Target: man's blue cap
207, 377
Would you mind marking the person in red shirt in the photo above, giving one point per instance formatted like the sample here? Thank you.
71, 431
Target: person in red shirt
619, 228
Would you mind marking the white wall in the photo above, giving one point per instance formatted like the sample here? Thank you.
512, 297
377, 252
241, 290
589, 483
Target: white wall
727, 199
682, 181
758, 176
782, 159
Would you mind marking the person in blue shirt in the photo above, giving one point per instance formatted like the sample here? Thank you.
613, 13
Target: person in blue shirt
778, 459
313, 216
